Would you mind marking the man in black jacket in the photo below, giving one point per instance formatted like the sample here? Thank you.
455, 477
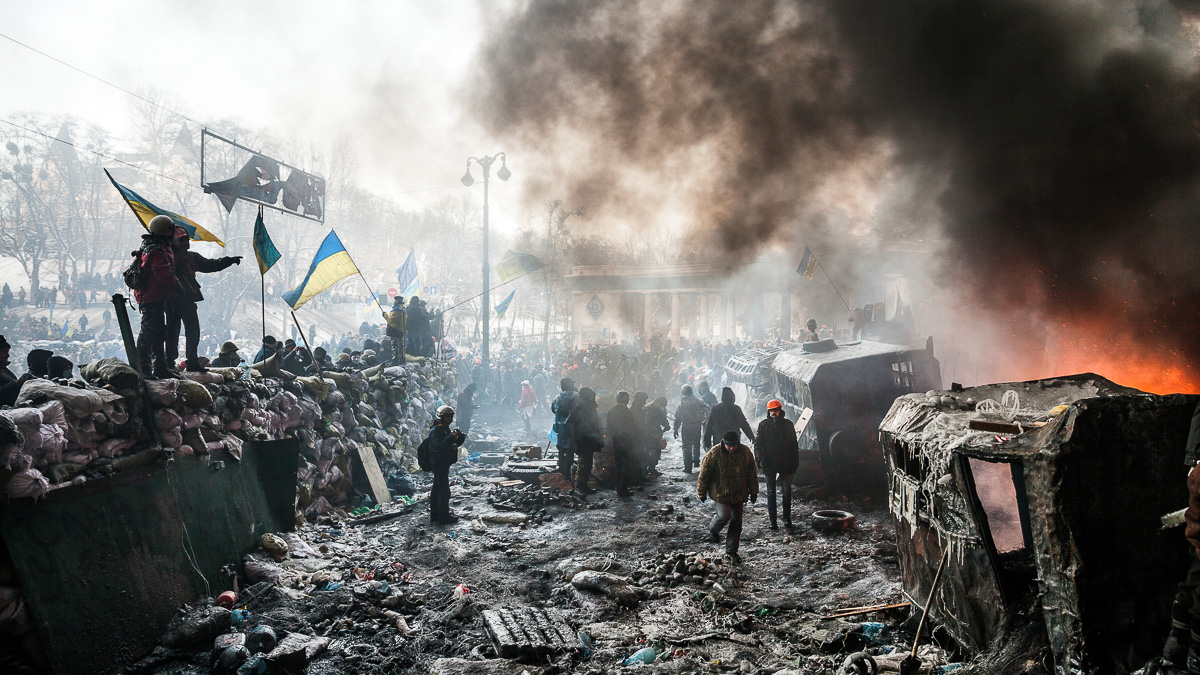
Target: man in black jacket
623, 432
777, 452
181, 309
10, 384
443, 453
725, 416
585, 428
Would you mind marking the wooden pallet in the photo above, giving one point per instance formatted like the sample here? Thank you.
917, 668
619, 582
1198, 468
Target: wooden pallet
529, 632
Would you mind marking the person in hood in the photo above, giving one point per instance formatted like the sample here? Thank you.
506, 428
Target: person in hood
269, 347
526, 405
589, 437
689, 416
444, 443
181, 309
158, 288
59, 368
37, 361
466, 407
10, 384
562, 406
725, 416
626, 440
705, 394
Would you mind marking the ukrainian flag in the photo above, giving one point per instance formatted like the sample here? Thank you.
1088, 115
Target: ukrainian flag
264, 248
144, 211
516, 265
503, 306
331, 264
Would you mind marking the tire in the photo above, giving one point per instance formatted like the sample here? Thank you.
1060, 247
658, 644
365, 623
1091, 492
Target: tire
832, 521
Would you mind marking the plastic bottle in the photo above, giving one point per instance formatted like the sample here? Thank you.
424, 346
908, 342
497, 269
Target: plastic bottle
461, 590
645, 655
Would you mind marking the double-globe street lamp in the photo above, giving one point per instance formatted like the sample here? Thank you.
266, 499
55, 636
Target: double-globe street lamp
503, 174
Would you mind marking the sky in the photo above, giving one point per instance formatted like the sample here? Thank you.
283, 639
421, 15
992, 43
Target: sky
386, 76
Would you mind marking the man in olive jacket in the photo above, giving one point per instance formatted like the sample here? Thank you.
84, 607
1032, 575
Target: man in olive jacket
778, 453
728, 475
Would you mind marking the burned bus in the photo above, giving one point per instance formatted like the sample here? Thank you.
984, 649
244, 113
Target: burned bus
748, 373
839, 392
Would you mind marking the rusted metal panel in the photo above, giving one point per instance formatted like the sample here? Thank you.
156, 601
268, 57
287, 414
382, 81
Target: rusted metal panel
104, 566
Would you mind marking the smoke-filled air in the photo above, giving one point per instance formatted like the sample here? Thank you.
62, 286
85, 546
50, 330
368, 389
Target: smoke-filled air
536, 337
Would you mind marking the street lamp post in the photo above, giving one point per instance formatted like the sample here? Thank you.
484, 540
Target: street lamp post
503, 174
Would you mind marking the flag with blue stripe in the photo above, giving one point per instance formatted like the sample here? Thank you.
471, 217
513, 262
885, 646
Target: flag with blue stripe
331, 264
144, 211
409, 284
503, 306
264, 248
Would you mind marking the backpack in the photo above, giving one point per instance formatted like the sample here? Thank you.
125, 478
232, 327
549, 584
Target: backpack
134, 276
424, 455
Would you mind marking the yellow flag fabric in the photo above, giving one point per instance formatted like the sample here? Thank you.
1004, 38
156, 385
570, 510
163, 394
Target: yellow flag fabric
144, 211
331, 264
516, 265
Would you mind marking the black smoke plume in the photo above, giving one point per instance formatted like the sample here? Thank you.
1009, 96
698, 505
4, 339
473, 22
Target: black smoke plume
1066, 133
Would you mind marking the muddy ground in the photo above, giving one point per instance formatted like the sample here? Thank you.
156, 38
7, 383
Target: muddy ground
768, 619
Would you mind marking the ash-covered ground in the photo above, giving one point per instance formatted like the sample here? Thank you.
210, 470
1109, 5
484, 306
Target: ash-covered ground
380, 597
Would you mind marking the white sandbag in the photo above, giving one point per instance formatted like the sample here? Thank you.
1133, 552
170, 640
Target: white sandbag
27, 483
78, 402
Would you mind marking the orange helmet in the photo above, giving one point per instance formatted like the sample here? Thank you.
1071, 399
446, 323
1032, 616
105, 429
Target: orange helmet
774, 404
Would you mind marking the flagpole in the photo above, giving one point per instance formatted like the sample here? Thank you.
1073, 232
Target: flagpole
835, 288
371, 291
476, 296
262, 278
311, 356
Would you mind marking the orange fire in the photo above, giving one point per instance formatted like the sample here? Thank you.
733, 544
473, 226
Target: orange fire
1139, 363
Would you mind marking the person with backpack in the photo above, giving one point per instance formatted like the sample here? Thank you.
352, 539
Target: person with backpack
562, 406
689, 416
588, 435
152, 278
725, 416
440, 450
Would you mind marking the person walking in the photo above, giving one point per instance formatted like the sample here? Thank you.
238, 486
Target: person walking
466, 408
778, 454
585, 428
562, 406
656, 425
158, 287
725, 416
728, 475
689, 416
526, 406
443, 453
623, 433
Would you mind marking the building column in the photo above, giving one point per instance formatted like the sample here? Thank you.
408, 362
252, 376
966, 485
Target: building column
785, 315
648, 319
693, 311
729, 325
675, 320
705, 326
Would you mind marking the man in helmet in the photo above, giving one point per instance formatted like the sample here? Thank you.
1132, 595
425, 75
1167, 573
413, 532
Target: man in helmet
443, 453
181, 310
228, 357
778, 454
689, 416
397, 322
810, 334
158, 288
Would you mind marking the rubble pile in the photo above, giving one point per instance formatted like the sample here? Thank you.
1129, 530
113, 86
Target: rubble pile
532, 500
62, 432
671, 570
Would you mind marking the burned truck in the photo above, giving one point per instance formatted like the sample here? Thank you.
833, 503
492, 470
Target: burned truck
748, 373
1044, 500
839, 392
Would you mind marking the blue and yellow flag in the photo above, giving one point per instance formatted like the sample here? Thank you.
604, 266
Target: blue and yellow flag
410, 285
331, 264
503, 306
516, 265
264, 248
808, 264
144, 211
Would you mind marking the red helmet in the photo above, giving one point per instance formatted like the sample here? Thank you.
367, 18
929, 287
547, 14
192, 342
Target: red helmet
774, 404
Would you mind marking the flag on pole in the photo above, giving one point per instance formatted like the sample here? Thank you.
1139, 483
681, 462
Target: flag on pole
516, 265
503, 306
409, 284
331, 264
808, 264
373, 299
66, 329
264, 248
144, 211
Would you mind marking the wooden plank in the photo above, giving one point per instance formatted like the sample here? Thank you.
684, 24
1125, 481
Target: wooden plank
998, 427
379, 488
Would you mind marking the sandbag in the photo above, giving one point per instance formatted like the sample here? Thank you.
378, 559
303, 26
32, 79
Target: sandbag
194, 394
342, 380
111, 370
162, 392
315, 386
205, 377
229, 374
78, 402
53, 412
27, 483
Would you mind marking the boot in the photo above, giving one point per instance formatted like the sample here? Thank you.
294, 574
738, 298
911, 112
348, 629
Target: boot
1176, 648
144, 361
787, 512
163, 370
772, 512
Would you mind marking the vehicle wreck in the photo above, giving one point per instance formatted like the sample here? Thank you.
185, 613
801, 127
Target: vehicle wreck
1045, 497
